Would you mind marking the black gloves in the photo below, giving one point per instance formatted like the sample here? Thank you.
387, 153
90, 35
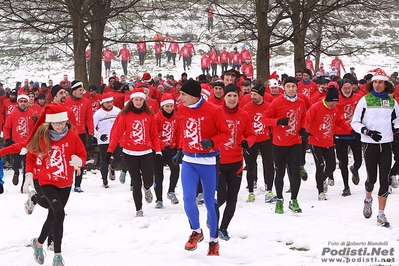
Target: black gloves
282, 121
244, 144
374, 134
207, 144
355, 134
9, 142
177, 159
304, 133
107, 157
104, 137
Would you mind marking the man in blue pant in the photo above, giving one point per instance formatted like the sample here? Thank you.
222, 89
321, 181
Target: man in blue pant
202, 133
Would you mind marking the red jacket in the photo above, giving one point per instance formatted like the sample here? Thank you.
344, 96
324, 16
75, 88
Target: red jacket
168, 130
185, 51
236, 58
307, 89
83, 114
108, 55
240, 126
6, 108
213, 56
321, 122
199, 124
255, 113
124, 53
346, 107
247, 70
174, 47
95, 102
141, 47
296, 113
19, 125
205, 62
54, 169
134, 132
224, 57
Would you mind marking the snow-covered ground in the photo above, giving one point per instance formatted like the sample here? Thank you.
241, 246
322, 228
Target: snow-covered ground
101, 228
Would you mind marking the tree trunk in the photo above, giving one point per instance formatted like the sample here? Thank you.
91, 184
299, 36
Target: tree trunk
99, 10
263, 47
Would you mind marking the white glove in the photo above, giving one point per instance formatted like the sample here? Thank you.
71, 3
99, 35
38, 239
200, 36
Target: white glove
75, 161
23, 151
28, 182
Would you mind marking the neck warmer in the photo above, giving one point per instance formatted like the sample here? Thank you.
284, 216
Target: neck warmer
55, 136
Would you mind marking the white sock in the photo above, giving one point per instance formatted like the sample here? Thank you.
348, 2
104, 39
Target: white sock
380, 212
198, 230
215, 240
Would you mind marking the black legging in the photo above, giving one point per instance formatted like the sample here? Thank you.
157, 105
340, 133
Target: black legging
78, 178
291, 156
173, 56
378, 155
141, 58
266, 151
214, 69
230, 176
341, 148
395, 167
17, 161
102, 148
57, 198
158, 59
324, 160
134, 164
167, 156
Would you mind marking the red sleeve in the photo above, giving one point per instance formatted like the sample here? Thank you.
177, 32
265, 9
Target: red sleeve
8, 127
89, 119
30, 162
14, 148
249, 133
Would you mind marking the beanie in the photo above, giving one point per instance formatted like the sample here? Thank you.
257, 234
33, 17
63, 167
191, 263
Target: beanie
93, 88
192, 88
231, 88
289, 80
55, 90
146, 77
36, 84
259, 89
14, 92
107, 97
56, 112
138, 92
332, 95
166, 99
76, 84
219, 83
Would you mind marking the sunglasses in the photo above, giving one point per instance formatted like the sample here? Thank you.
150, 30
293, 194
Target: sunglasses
22, 101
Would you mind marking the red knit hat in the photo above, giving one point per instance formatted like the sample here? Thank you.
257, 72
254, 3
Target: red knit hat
146, 77
107, 97
138, 92
379, 74
166, 99
56, 113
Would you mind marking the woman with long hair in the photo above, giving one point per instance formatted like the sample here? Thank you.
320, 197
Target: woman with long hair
54, 153
136, 132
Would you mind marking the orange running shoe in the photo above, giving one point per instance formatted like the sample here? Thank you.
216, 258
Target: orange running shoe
193, 240
213, 249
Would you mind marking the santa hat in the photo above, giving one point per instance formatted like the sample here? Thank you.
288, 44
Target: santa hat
65, 75
167, 99
26, 80
273, 83
56, 112
138, 92
273, 75
168, 84
146, 77
379, 74
23, 96
321, 64
107, 97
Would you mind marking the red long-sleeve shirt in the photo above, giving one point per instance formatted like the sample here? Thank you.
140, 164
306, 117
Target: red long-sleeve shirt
81, 109
134, 132
19, 125
321, 122
168, 130
240, 126
53, 168
295, 112
346, 107
256, 113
